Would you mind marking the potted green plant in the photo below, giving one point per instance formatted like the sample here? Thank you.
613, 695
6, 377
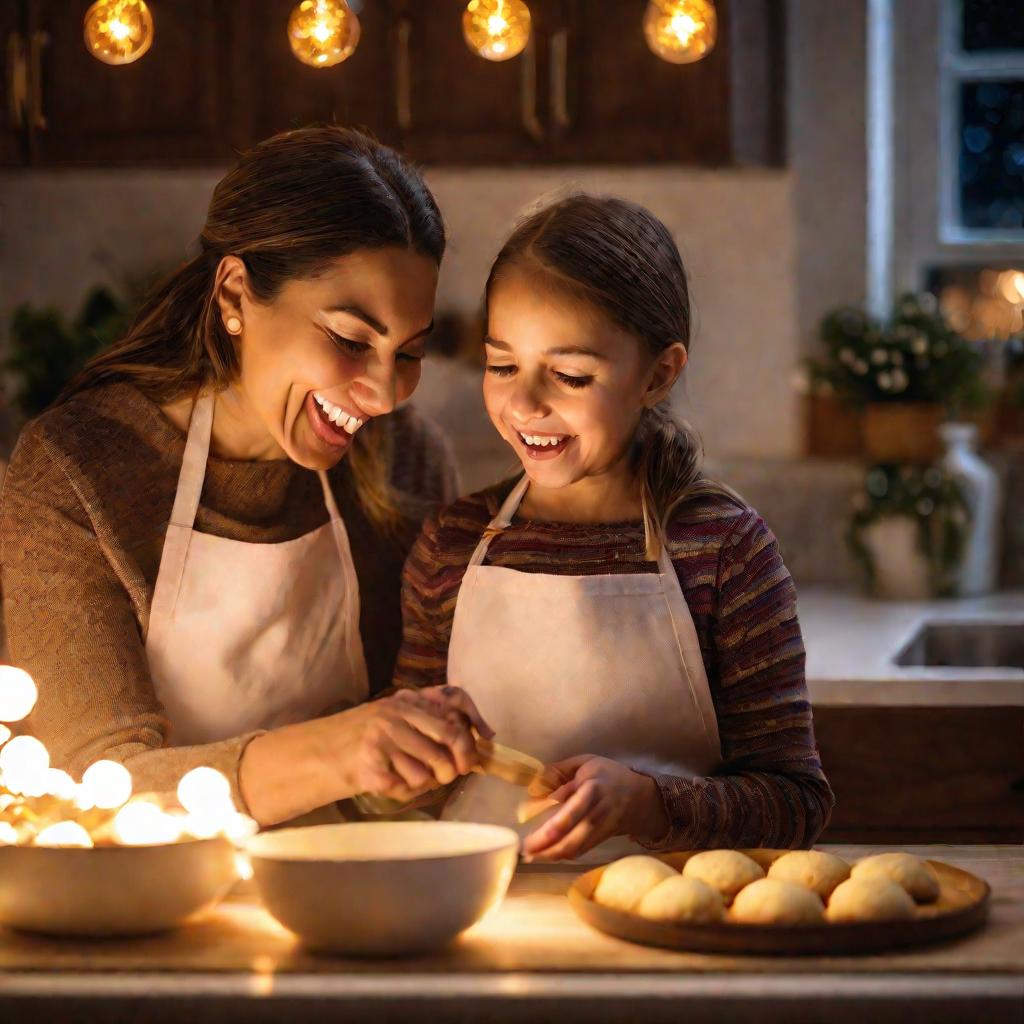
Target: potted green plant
906, 375
908, 530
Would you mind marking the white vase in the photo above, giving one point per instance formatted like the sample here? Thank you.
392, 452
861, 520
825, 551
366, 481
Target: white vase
901, 571
979, 569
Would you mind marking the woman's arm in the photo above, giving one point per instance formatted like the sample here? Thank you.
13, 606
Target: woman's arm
771, 790
71, 624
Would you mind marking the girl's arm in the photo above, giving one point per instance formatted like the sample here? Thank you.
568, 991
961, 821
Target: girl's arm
770, 791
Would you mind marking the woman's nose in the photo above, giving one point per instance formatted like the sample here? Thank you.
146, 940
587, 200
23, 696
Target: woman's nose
375, 390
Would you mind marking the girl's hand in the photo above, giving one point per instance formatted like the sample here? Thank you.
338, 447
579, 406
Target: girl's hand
601, 798
410, 742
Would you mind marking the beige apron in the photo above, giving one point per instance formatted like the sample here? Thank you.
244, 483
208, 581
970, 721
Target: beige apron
567, 665
250, 636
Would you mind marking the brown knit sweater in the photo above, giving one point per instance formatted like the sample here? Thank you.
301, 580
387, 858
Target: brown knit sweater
83, 513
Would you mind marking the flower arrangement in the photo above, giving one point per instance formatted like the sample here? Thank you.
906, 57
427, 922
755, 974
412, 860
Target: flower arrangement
917, 357
929, 496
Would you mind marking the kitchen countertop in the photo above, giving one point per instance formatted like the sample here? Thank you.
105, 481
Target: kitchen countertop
851, 641
531, 960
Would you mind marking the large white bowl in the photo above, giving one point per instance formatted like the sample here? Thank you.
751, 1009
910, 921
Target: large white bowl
112, 890
383, 888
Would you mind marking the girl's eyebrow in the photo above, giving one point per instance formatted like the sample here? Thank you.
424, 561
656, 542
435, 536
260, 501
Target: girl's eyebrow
564, 350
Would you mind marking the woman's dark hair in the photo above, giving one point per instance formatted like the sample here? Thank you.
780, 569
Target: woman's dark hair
290, 207
621, 260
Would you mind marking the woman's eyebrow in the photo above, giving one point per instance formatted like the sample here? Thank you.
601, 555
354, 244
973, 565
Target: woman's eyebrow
562, 350
374, 324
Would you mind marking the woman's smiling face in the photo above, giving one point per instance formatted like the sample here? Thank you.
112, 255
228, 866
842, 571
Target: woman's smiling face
564, 386
329, 353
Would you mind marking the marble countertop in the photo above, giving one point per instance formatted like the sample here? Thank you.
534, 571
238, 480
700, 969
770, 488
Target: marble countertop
852, 641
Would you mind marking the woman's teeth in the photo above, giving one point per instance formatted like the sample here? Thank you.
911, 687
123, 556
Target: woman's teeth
337, 415
538, 441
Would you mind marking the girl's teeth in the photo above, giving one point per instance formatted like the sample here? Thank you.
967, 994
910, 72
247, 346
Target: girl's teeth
337, 415
541, 442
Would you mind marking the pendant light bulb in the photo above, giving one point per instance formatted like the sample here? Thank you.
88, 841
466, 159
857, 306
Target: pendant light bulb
681, 31
496, 29
323, 33
118, 31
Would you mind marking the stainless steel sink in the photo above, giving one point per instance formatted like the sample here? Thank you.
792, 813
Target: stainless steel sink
966, 644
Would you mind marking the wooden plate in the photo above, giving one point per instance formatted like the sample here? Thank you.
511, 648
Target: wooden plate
962, 906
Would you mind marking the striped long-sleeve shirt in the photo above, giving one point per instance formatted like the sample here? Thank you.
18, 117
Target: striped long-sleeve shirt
770, 790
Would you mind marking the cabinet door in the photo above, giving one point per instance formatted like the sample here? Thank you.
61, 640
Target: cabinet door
283, 93
15, 99
171, 106
456, 107
614, 101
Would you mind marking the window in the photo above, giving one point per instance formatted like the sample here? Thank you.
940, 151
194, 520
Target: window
982, 131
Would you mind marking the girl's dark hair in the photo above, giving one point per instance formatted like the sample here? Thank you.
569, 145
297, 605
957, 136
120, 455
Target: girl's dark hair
621, 260
290, 207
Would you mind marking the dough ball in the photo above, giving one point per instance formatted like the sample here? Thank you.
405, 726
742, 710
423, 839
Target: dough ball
819, 871
682, 899
904, 869
772, 901
728, 871
625, 882
869, 899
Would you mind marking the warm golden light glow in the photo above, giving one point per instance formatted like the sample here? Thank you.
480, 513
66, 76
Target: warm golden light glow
496, 29
64, 833
681, 31
118, 31
106, 784
18, 694
24, 762
5, 734
60, 784
323, 33
141, 823
8, 834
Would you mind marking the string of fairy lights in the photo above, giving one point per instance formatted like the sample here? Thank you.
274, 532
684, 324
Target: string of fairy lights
323, 33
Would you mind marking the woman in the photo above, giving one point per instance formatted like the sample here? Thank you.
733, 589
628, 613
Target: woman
183, 588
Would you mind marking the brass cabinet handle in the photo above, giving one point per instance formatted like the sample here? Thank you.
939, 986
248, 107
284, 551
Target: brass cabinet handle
560, 78
17, 80
403, 76
528, 93
36, 43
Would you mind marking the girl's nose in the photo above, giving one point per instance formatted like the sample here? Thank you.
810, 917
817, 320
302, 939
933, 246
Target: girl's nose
527, 402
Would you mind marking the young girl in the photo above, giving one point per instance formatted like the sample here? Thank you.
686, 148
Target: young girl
613, 612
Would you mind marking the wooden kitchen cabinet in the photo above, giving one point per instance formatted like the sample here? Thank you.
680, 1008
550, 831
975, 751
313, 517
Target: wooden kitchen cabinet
924, 774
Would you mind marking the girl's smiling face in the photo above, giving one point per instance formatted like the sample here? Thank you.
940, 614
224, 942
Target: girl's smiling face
327, 354
564, 385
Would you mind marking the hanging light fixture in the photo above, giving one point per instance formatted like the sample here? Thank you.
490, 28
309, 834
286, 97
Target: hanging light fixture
118, 31
681, 31
323, 33
496, 29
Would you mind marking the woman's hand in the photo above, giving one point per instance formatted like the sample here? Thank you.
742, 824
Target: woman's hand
409, 743
600, 798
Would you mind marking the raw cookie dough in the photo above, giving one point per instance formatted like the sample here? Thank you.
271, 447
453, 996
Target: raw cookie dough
728, 871
904, 869
771, 901
681, 900
869, 899
625, 882
819, 871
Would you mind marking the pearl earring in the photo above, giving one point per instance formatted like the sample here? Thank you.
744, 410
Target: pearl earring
234, 325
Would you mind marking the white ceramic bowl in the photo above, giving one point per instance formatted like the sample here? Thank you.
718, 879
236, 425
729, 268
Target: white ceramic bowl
383, 888
112, 890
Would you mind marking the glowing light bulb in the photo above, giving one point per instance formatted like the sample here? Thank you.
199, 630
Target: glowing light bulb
64, 833
60, 784
8, 834
681, 31
496, 29
141, 823
323, 33
118, 31
107, 784
18, 694
5, 734
24, 762
204, 791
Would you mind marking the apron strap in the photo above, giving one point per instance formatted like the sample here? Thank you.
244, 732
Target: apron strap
193, 463
501, 521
